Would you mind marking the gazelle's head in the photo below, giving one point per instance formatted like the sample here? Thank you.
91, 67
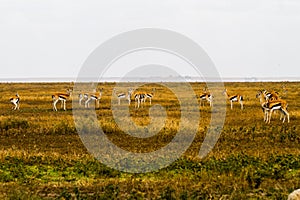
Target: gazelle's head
100, 92
259, 93
17, 95
153, 90
130, 91
69, 91
225, 91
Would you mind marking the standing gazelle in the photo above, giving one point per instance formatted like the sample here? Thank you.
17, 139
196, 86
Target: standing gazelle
95, 96
15, 101
205, 96
270, 105
234, 98
140, 98
63, 97
270, 95
276, 105
82, 97
123, 95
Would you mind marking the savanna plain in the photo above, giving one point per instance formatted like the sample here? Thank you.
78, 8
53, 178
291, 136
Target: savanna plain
42, 155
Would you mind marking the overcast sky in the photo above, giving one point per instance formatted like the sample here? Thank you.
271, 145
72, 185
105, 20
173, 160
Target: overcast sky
244, 38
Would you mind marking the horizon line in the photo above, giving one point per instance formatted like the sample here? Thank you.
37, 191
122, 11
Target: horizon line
150, 79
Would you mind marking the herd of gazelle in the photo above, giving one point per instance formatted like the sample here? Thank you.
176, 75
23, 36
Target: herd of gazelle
270, 101
87, 97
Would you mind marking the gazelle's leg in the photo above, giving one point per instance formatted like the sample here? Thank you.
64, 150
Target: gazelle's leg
283, 116
231, 105
15, 106
286, 114
87, 103
54, 104
64, 104
265, 115
270, 116
242, 106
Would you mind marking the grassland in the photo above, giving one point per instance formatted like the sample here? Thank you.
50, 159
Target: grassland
42, 156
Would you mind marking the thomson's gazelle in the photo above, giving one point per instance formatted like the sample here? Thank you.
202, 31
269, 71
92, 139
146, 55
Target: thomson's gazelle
95, 96
277, 105
270, 95
82, 97
15, 101
63, 97
140, 98
206, 96
269, 106
123, 95
150, 96
234, 98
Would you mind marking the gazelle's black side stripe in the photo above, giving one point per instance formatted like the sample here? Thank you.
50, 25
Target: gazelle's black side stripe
232, 98
62, 97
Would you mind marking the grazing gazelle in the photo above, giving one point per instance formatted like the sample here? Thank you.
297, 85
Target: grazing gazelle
63, 97
234, 98
123, 95
95, 96
206, 97
150, 96
15, 101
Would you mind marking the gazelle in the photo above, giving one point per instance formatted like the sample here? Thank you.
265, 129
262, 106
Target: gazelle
276, 105
270, 95
206, 97
15, 101
234, 98
140, 98
63, 97
150, 96
263, 101
82, 97
123, 95
271, 105
95, 96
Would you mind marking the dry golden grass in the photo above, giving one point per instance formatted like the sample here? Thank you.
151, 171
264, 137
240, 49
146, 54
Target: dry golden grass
43, 156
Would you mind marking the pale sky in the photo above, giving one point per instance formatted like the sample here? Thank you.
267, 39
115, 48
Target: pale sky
244, 38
